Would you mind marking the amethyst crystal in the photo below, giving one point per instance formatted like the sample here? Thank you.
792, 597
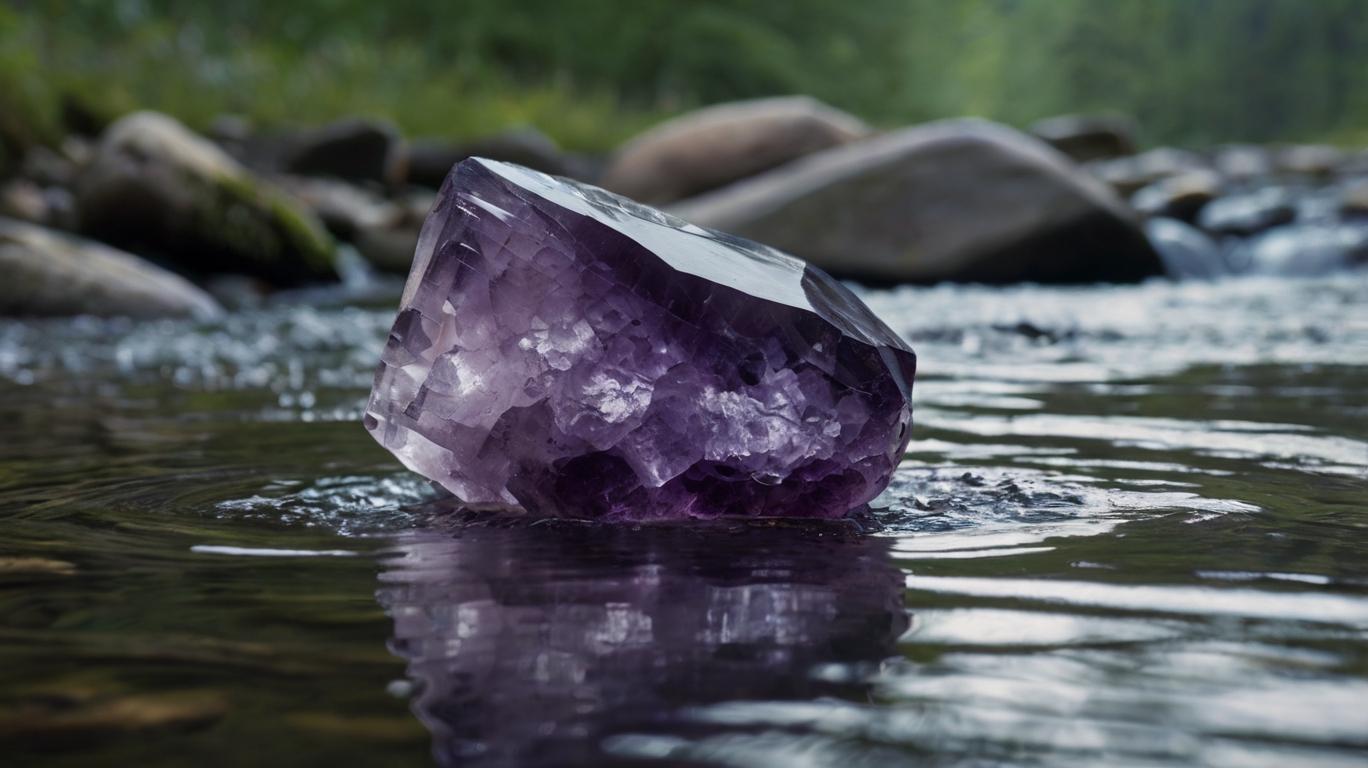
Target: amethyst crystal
570, 351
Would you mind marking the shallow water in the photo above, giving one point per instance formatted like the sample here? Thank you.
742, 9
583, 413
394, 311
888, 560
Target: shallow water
1132, 529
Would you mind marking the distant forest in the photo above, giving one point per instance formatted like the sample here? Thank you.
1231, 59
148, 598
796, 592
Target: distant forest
590, 72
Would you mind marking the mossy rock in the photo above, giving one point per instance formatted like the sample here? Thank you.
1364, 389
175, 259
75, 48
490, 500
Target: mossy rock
157, 187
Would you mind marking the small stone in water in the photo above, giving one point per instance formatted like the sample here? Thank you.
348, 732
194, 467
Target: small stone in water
567, 350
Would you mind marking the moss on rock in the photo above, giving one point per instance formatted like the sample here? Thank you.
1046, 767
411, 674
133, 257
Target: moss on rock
157, 187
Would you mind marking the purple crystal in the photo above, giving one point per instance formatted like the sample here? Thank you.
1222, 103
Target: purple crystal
575, 353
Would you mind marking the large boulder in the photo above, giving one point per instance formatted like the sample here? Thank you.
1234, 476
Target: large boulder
960, 200
1088, 137
428, 161
355, 149
153, 186
715, 146
49, 273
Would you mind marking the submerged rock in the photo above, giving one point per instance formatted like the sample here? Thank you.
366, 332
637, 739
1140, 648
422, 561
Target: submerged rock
568, 350
1088, 137
715, 146
960, 200
154, 186
49, 273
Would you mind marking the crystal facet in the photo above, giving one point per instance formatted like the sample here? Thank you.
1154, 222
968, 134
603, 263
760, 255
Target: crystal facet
575, 353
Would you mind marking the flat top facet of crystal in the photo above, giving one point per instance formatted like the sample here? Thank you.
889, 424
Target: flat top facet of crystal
572, 352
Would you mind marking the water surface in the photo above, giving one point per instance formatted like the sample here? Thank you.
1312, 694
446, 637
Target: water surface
1131, 529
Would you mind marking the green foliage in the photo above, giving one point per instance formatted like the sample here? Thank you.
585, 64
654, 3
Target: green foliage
592, 72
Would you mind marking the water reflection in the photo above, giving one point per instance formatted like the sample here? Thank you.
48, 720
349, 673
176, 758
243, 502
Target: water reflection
536, 645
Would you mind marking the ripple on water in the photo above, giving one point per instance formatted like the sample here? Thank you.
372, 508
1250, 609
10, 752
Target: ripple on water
1129, 532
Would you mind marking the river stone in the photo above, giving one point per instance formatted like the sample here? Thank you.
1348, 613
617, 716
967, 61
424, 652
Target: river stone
717, 145
1179, 197
153, 186
24, 200
49, 273
355, 149
567, 350
1127, 175
1249, 213
1088, 137
429, 160
1309, 159
959, 200
1188, 252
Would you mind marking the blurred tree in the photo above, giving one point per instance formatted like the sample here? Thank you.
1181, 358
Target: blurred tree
594, 70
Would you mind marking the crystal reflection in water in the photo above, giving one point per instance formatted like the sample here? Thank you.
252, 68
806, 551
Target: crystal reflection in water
533, 645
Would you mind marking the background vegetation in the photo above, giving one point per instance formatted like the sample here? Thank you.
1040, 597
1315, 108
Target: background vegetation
590, 72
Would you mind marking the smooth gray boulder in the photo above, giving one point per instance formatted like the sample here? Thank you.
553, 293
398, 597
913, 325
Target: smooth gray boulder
958, 200
717, 145
50, 273
153, 186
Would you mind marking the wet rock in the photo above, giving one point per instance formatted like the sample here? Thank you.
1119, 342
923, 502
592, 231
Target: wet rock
383, 231
47, 167
49, 273
1178, 197
962, 200
1353, 198
1088, 137
1243, 162
711, 147
1355, 165
345, 209
389, 245
154, 186
1305, 249
1309, 159
24, 200
1188, 253
352, 149
429, 161
1248, 213
1128, 175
